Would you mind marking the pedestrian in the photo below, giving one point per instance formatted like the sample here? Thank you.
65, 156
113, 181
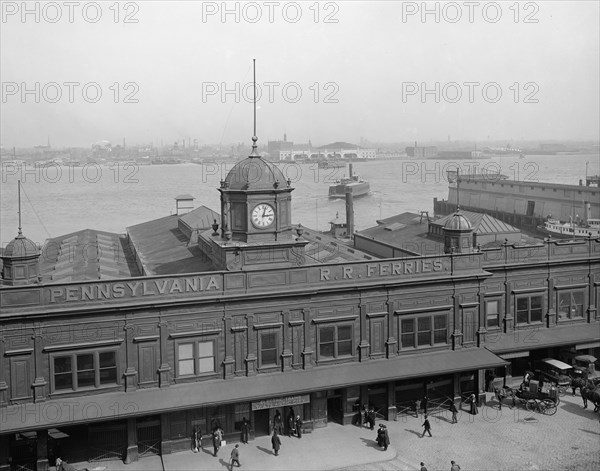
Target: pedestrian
235, 456
380, 436
299, 427
423, 468
276, 442
424, 404
245, 430
278, 423
455, 466
371, 418
197, 442
217, 437
454, 411
500, 395
426, 427
473, 401
386, 438
291, 421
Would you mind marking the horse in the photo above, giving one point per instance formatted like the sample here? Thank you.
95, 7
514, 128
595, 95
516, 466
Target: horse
581, 383
593, 395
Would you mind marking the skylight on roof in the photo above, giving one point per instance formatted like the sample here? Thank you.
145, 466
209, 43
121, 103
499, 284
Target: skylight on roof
395, 226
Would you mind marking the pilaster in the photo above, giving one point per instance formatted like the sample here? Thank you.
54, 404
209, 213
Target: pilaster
307, 352
164, 369
391, 349
39, 384
130, 373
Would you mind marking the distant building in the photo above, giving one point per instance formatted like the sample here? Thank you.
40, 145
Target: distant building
335, 150
274, 148
426, 152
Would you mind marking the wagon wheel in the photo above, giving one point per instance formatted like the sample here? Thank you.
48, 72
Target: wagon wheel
531, 404
548, 407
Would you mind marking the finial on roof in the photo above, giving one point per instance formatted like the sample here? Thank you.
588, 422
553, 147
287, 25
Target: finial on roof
20, 231
254, 138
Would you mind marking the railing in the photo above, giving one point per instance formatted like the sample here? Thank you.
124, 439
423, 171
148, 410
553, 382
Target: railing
407, 408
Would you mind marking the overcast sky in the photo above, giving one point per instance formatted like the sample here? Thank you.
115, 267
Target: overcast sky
360, 68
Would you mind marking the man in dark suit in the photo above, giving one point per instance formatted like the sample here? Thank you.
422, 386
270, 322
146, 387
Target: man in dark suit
426, 427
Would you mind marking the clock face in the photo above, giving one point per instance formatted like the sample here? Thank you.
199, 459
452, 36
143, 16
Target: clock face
263, 215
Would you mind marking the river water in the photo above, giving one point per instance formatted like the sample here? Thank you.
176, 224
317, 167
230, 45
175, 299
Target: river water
57, 200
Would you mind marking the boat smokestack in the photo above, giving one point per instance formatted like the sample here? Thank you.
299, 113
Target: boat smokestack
587, 211
349, 211
350, 170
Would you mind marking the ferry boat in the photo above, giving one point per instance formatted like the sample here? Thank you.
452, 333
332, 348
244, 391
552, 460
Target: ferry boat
570, 229
356, 185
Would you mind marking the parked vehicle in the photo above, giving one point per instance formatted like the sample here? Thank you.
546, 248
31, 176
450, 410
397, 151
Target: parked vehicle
584, 365
556, 372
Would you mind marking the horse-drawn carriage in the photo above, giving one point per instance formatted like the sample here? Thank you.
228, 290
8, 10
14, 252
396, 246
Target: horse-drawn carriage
533, 397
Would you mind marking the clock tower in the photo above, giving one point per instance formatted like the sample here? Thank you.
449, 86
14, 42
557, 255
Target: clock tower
256, 210
255, 228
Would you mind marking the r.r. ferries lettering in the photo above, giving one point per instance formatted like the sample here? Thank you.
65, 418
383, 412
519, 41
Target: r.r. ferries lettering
372, 270
132, 289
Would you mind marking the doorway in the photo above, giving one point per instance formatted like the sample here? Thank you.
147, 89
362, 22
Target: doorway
335, 412
530, 208
261, 422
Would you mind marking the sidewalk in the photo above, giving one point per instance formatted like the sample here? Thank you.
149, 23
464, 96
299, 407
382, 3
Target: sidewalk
511, 439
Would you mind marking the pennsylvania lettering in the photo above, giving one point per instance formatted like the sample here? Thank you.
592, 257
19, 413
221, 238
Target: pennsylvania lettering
132, 289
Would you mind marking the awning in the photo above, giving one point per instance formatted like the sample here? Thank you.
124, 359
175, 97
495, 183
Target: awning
582, 346
60, 412
508, 356
543, 337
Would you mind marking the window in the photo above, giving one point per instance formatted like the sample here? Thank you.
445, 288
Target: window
529, 309
195, 358
268, 348
492, 313
84, 370
407, 336
430, 330
335, 341
570, 304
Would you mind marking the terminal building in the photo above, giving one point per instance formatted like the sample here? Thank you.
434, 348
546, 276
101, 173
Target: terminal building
125, 345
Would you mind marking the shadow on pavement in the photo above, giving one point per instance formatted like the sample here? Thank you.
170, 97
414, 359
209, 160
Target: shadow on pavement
414, 432
577, 409
265, 450
589, 431
369, 443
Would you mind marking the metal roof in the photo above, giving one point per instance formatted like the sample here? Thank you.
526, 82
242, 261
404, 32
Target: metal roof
557, 364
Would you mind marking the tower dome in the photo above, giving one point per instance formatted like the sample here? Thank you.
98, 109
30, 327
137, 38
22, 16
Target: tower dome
20, 262
20, 247
458, 223
254, 173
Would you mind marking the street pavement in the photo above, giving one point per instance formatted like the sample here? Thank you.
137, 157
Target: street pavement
511, 439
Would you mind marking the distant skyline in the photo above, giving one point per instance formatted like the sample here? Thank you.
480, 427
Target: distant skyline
327, 71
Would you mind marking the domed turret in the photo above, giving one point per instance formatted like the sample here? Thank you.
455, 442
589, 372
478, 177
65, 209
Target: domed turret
458, 234
20, 262
254, 173
458, 222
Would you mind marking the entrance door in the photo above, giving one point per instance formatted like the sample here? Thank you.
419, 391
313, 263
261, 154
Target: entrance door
530, 208
261, 422
335, 412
